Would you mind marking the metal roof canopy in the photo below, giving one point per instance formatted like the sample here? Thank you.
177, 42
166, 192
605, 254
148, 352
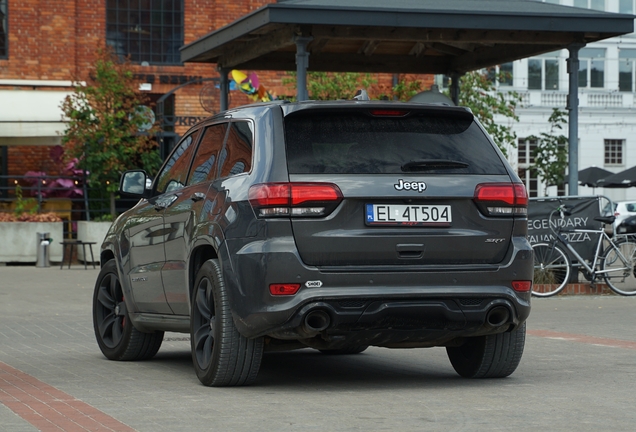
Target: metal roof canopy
406, 36
401, 36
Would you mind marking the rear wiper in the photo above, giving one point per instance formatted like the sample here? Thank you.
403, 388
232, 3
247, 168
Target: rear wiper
432, 164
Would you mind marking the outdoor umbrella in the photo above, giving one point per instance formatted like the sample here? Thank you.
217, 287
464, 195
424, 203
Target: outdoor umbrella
623, 179
591, 176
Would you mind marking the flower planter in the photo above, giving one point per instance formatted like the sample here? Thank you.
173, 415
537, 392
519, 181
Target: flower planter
20, 243
88, 231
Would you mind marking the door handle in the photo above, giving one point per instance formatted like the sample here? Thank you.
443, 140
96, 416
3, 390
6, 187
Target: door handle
410, 251
197, 196
165, 202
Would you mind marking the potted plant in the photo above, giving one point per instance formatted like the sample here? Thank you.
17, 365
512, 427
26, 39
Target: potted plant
19, 230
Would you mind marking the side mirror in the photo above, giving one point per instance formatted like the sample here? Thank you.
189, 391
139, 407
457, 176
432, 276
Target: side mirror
134, 183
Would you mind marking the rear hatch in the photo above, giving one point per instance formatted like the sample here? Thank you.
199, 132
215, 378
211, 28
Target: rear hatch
419, 186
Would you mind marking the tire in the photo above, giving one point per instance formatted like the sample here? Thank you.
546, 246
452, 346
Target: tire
356, 349
221, 355
492, 356
116, 336
551, 270
620, 276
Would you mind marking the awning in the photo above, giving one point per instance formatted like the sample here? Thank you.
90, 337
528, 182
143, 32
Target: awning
31, 117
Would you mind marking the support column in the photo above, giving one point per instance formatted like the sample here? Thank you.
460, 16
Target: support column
224, 86
302, 63
454, 87
573, 119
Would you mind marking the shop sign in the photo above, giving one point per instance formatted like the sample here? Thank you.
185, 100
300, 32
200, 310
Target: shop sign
166, 79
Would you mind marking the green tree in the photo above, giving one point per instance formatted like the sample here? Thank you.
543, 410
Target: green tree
405, 90
477, 91
104, 124
332, 85
551, 153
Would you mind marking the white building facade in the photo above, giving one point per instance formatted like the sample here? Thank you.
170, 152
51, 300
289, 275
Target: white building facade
607, 103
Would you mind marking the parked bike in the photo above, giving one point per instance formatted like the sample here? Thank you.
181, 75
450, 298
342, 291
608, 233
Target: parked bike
613, 261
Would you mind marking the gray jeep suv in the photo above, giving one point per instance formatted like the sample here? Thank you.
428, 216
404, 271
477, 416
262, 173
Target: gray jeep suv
326, 225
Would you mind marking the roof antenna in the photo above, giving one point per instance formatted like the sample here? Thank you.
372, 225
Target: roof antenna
361, 95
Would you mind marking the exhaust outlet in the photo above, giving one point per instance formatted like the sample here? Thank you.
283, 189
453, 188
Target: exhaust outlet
317, 320
497, 316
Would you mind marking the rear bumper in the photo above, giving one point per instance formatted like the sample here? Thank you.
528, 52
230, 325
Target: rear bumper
395, 323
382, 306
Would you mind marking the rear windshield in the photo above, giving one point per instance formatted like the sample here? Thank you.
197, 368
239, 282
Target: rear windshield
359, 143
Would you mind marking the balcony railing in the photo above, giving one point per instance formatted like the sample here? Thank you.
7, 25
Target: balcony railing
587, 99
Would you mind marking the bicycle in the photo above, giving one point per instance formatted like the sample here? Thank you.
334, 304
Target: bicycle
552, 267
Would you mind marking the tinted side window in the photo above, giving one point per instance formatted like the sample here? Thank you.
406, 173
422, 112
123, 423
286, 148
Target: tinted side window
236, 157
175, 171
206, 159
359, 143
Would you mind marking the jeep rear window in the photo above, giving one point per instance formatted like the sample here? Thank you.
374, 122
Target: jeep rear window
359, 143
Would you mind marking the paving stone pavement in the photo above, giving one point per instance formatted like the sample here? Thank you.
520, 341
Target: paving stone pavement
46, 332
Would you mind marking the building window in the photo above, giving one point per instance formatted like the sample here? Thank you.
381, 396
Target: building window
4, 190
4, 38
443, 81
592, 68
525, 157
626, 6
147, 31
626, 59
500, 75
590, 4
543, 72
614, 150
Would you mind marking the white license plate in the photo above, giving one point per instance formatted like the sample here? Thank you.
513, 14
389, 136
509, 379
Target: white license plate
408, 214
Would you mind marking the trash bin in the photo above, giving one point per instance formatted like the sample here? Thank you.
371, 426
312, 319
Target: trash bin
43, 242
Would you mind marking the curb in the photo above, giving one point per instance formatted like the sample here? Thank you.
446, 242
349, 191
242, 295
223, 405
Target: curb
586, 289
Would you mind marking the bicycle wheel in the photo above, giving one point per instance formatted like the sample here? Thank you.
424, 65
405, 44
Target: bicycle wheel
551, 270
621, 276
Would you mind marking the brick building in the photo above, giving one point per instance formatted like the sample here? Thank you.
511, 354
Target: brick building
46, 45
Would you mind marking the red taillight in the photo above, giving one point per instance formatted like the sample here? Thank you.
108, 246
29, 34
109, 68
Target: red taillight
283, 289
294, 199
270, 194
502, 199
302, 193
522, 286
388, 113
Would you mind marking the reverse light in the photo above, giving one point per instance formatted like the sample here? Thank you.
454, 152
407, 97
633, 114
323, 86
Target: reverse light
522, 286
502, 199
294, 199
283, 289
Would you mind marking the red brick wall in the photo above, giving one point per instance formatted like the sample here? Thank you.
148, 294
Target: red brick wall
57, 40
30, 158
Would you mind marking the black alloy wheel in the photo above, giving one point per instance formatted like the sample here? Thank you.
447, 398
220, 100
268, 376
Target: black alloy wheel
220, 354
116, 336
